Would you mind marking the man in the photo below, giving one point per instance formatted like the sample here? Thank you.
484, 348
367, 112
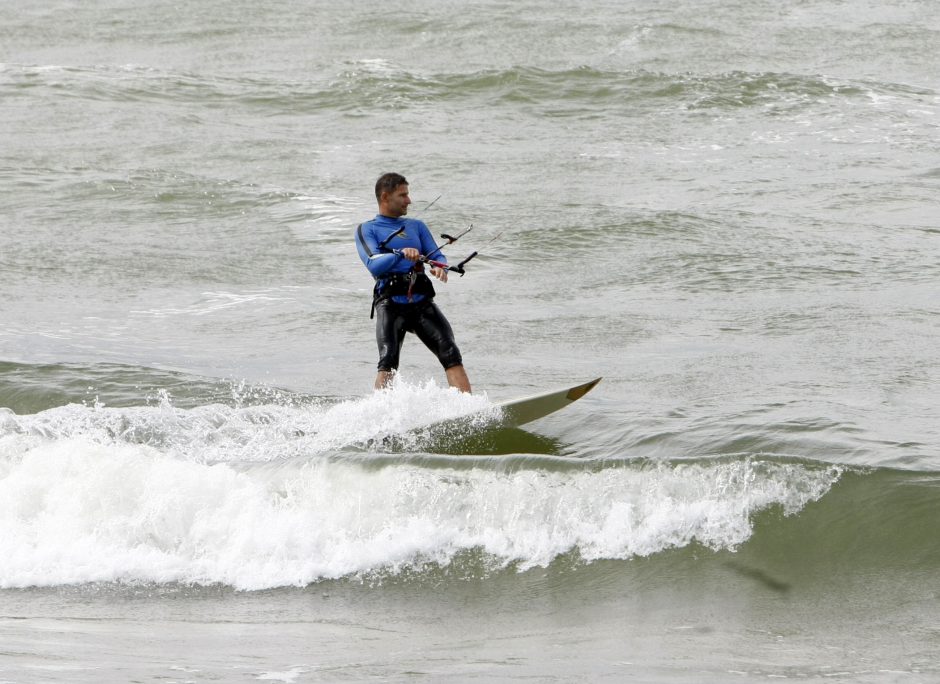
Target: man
403, 299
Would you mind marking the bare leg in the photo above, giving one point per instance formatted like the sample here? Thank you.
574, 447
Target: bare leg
384, 379
457, 377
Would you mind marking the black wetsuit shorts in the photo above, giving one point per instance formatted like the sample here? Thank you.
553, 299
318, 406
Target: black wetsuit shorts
423, 319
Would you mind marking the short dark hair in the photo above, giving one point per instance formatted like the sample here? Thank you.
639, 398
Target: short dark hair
388, 182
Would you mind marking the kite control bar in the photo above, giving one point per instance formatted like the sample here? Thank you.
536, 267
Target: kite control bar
426, 258
451, 240
440, 264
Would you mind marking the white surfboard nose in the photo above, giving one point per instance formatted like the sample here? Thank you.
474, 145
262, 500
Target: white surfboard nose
517, 412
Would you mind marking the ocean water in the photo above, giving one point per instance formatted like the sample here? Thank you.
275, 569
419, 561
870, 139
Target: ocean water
726, 209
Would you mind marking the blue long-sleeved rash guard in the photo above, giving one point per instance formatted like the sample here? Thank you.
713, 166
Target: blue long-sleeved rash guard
383, 262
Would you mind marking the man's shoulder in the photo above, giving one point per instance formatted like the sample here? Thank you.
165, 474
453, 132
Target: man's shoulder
368, 227
368, 223
384, 224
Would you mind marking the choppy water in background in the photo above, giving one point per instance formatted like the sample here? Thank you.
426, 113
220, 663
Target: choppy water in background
727, 209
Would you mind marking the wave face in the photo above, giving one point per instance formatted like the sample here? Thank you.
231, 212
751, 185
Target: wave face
81, 508
259, 489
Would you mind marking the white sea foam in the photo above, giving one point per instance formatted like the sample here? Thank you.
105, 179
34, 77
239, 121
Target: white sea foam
212, 302
211, 502
289, 676
257, 433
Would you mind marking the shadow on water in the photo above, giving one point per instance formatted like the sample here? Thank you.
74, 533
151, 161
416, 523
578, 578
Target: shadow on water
760, 576
465, 441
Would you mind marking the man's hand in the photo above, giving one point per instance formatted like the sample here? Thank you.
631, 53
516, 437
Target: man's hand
412, 254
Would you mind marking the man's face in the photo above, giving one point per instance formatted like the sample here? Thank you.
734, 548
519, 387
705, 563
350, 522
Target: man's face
397, 201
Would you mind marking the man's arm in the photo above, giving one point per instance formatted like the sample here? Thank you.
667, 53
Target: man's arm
378, 263
429, 249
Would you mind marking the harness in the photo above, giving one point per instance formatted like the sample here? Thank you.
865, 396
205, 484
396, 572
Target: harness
414, 282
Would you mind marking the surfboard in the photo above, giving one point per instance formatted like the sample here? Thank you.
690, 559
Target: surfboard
474, 432
516, 412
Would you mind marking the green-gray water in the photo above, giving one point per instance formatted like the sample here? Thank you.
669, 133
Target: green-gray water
727, 209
